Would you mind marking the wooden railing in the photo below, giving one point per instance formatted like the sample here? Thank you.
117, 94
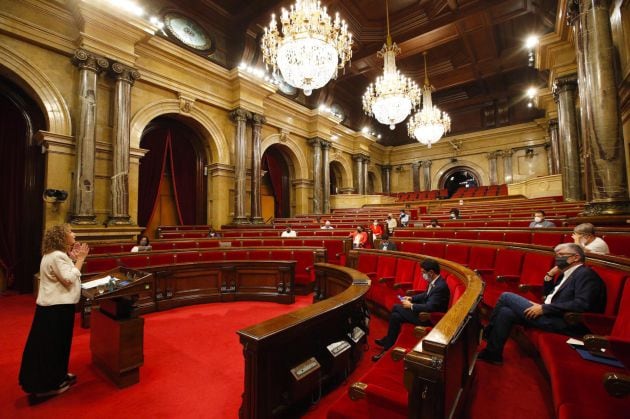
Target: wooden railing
286, 358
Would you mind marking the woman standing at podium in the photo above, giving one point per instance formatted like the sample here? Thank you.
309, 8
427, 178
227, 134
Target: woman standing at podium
44, 369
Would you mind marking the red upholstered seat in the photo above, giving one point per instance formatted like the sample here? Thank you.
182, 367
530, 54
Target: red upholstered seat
367, 263
434, 249
467, 235
409, 246
98, 264
518, 236
443, 234
187, 257
618, 244
508, 263
495, 236
482, 258
549, 238
135, 261
401, 282
457, 253
260, 254
615, 290
535, 266
385, 269
162, 259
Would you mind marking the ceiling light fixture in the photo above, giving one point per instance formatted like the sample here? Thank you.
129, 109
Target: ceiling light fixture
392, 96
429, 124
312, 46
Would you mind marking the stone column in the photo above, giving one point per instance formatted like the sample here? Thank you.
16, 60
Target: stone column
416, 176
358, 174
564, 95
492, 167
426, 174
507, 166
256, 207
326, 169
366, 161
240, 117
125, 78
555, 147
601, 116
386, 176
90, 66
316, 143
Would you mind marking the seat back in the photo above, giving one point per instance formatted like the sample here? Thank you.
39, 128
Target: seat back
410, 246
386, 266
367, 262
405, 269
508, 262
482, 257
455, 287
549, 238
621, 328
457, 253
614, 280
434, 249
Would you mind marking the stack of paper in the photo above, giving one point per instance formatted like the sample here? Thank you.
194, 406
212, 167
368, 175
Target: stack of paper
96, 282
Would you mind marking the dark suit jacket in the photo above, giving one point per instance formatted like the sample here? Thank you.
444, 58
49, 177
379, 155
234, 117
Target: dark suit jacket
584, 291
436, 300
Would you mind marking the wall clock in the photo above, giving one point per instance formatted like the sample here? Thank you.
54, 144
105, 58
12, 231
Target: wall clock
188, 32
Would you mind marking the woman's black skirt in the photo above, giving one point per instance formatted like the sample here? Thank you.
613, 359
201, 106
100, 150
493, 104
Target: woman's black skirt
47, 352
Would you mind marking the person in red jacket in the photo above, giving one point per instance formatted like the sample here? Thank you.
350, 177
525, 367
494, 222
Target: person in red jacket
377, 230
359, 238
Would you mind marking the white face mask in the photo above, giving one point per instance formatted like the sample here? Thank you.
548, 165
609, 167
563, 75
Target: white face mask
538, 219
426, 277
453, 215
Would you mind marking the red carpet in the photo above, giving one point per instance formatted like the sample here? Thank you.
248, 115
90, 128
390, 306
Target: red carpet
194, 369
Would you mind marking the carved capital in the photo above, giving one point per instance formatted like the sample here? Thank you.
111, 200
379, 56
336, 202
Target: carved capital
240, 115
415, 166
315, 142
386, 168
573, 11
87, 61
326, 144
507, 153
258, 120
427, 163
124, 73
564, 84
553, 124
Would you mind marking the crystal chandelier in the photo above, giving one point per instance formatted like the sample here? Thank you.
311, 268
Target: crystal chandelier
392, 97
429, 124
312, 47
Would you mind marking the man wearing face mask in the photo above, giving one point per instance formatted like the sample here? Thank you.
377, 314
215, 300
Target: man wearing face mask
435, 298
539, 221
584, 235
454, 214
386, 243
578, 289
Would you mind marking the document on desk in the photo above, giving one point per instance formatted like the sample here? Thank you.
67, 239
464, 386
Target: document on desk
96, 282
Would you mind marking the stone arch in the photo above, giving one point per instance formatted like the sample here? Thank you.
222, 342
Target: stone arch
298, 161
343, 165
477, 170
42, 89
376, 177
216, 141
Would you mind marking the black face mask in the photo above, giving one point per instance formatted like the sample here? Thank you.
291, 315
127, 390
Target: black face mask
561, 262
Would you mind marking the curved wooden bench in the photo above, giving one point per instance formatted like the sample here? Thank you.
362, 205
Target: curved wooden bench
286, 358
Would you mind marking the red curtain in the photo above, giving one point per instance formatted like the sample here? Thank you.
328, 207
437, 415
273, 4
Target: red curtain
180, 157
13, 149
274, 170
152, 168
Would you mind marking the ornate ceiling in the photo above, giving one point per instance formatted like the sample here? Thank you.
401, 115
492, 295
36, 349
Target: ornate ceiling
477, 60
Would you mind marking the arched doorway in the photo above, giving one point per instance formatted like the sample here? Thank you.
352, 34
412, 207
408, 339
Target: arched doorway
22, 183
275, 185
336, 177
371, 185
172, 186
457, 177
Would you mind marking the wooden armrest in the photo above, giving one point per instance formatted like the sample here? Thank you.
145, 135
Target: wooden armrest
424, 316
386, 279
508, 278
598, 324
371, 275
398, 353
421, 331
402, 285
595, 343
411, 293
617, 385
483, 270
357, 391
530, 288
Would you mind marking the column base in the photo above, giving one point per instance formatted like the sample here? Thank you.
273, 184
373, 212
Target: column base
119, 220
83, 219
240, 220
607, 208
258, 220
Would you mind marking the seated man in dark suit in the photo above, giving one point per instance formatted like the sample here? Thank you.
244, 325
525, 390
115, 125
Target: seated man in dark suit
577, 289
435, 298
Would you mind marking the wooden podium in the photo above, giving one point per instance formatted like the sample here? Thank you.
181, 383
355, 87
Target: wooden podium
117, 333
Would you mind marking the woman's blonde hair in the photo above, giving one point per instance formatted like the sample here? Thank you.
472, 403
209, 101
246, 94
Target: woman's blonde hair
55, 238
